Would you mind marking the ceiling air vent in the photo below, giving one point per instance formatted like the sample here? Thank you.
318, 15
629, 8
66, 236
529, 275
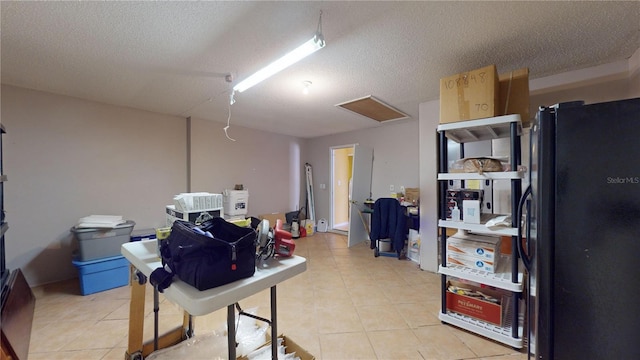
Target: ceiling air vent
373, 108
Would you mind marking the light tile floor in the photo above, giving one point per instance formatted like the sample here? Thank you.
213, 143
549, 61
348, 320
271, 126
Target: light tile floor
347, 305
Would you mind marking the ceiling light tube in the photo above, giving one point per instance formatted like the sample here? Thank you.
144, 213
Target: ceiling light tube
314, 44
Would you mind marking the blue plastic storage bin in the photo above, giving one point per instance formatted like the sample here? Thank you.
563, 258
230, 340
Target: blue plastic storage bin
102, 274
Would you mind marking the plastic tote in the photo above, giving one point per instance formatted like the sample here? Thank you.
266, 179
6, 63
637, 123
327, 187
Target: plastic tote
98, 243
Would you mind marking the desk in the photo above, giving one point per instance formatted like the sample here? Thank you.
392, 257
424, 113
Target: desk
411, 215
143, 257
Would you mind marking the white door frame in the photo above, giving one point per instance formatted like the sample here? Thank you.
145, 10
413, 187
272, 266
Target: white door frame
332, 190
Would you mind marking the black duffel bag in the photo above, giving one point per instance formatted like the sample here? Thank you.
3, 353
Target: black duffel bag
206, 262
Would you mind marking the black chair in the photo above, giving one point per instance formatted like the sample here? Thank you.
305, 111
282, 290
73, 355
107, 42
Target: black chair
388, 224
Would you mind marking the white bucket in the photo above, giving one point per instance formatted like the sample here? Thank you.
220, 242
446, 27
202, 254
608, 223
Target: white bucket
322, 225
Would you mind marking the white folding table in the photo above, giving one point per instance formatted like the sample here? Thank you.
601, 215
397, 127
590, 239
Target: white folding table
143, 257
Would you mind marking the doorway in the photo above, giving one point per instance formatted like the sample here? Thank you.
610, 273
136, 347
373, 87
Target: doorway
341, 182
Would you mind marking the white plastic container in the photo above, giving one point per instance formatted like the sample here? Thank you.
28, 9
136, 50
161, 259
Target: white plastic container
235, 202
322, 226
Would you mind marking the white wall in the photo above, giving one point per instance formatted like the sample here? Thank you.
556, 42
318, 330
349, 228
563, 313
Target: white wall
396, 161
66, 158
267, 164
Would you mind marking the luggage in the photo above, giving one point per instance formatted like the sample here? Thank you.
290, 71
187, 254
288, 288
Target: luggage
212, 254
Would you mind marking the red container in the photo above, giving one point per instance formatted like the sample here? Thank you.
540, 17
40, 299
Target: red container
476, 308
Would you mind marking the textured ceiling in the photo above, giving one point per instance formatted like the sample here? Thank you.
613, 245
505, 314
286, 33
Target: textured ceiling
171, 57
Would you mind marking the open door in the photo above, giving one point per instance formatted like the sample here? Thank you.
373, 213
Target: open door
342, 171
360, 191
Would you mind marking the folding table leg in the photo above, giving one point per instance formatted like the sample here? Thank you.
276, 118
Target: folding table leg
231, 330
274, 325
136, 314
156, 309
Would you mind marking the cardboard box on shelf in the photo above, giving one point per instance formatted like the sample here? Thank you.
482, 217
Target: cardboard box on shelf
471, 262
479, 246
506, 244
470, 95
477, 308
514, 94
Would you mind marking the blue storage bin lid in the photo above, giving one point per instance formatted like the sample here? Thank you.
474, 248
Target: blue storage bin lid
77, 262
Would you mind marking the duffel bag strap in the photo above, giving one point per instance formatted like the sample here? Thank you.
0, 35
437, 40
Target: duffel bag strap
161, 278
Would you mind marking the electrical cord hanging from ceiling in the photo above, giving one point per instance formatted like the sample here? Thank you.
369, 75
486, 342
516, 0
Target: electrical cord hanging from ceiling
226, 128
228, 79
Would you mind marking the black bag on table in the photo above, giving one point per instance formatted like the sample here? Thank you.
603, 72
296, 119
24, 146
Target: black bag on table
206, 262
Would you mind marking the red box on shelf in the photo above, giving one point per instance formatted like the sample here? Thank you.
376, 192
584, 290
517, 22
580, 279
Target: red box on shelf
476, 308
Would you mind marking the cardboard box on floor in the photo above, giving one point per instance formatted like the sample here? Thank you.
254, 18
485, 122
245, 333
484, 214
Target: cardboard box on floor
470, 95
273, 217
290, 347
514, 94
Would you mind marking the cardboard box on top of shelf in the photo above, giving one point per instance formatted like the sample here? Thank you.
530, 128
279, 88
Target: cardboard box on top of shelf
514, 94
470, 95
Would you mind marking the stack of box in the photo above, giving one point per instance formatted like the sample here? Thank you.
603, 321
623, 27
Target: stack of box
474, 251
482, 93
98, 259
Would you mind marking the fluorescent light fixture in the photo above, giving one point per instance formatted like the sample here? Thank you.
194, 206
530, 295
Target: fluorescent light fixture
314, 44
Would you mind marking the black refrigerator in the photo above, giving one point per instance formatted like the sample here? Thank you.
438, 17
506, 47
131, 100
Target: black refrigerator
582, 246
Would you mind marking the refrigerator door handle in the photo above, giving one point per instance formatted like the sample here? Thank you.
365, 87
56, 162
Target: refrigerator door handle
521, 252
